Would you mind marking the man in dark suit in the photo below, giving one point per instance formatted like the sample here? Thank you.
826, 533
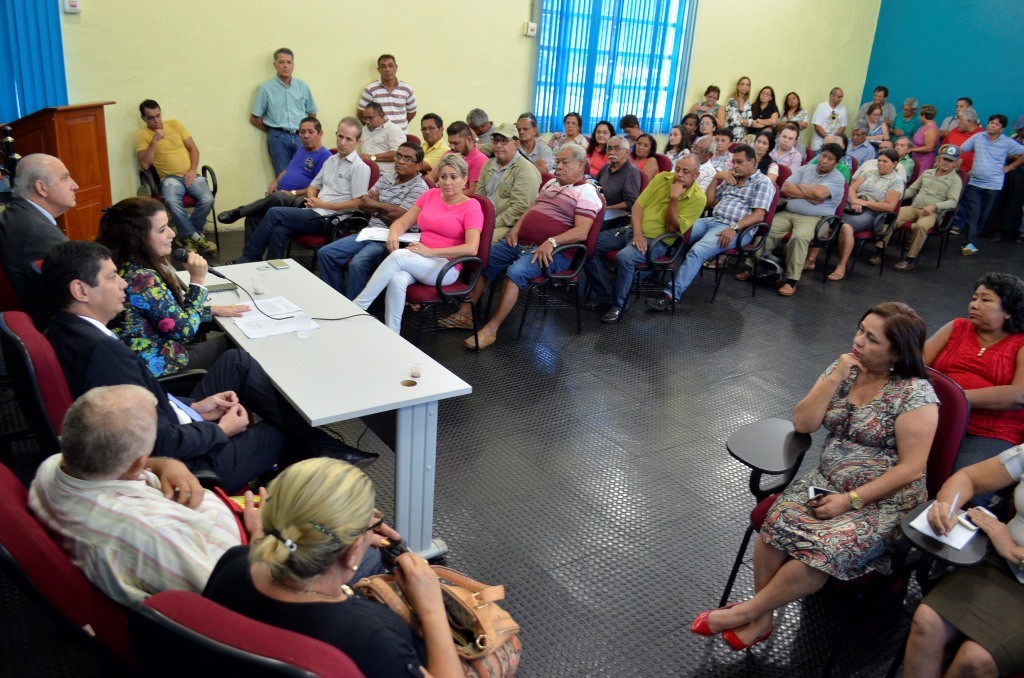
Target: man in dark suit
209, 430
43, 190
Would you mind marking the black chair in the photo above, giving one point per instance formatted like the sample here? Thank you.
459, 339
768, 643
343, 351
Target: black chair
150, 182
649, 275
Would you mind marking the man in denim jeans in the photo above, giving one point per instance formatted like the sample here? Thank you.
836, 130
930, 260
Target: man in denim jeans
169, 149
280, 105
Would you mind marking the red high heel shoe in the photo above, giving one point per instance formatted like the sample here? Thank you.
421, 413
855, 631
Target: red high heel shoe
700, 624
735, 643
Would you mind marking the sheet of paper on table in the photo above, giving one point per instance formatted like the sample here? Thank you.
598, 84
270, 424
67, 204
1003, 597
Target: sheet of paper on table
256, 325
380, 234
957, 537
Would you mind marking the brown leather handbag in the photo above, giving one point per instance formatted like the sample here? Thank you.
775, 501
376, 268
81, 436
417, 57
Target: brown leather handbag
485, 635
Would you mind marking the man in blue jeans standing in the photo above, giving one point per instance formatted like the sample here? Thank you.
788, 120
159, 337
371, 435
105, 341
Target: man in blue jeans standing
168, 147
741, 198
281, 104
990, 153
671, 203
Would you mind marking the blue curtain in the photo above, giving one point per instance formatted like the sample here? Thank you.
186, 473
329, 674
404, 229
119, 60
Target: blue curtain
607, 58
31, 58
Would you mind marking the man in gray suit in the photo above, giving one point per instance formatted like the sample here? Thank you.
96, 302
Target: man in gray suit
43, 190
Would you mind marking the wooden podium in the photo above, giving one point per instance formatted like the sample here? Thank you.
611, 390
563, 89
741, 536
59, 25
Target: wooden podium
78, 136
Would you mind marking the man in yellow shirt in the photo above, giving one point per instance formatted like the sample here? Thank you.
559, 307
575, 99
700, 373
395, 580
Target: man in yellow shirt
432, 129
671, 203
168, 147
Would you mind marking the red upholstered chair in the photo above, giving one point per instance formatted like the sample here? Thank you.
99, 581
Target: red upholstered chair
150, 181
431, 296
332, 225
954, 412
9, 299
853, 165
784, 174
545, 177
880, 229
38, 565
664, 162
915, 174
413, 139
749, 250
808, 156
222, 643
941, 228
644, 180
568, 280
667, 263
827, 231
37, 378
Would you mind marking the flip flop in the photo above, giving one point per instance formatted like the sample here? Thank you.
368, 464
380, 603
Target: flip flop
836, 276
470, 343
456, 322
809, 265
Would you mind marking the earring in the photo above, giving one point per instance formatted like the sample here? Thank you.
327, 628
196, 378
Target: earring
892, 367
355, 568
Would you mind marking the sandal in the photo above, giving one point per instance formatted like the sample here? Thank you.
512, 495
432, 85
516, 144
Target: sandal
456, 321
836, 275
711, 264
810, 264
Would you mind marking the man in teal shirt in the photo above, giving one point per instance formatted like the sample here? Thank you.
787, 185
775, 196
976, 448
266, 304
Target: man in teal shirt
281, 104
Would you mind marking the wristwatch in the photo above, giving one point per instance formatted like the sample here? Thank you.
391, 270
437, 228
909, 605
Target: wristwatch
373, 158
554, 243
293, 193
855, 501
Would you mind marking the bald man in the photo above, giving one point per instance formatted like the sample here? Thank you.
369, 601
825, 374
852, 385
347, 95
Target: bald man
43, 190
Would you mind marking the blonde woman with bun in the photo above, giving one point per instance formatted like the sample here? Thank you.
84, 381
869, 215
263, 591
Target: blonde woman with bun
319, 522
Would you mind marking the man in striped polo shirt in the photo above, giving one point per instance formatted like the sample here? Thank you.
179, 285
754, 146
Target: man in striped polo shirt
394, 96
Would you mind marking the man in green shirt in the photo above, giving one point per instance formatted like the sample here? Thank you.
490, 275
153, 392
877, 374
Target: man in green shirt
671, 203
934, 192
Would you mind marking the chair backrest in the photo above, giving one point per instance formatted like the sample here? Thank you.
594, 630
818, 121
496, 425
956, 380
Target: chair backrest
222, 642
808, 155
545, 177
374, 173
37, 378
853, 165
483, 252
9, 299
916, 173
413, 139
954, 413
429, 182
664, 162
38, 565
784, 173
770, 214
595, 230
644, 180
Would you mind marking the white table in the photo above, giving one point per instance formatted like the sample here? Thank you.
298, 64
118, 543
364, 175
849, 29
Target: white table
353, 368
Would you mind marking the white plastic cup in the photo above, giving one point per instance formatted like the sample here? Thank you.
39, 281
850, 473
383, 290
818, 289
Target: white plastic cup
415, 370
259, 283
303, 325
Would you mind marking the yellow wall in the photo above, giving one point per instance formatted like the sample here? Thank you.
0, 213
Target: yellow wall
202, 60
805, 46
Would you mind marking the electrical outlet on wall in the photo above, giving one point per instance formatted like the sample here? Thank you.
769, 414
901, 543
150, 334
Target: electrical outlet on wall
530, 29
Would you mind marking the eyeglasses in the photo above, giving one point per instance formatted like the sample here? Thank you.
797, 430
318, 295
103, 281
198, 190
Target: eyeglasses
402, 157
378, 520
499, 141
429, 129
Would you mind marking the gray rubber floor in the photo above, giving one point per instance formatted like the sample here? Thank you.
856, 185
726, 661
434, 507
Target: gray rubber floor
588, 473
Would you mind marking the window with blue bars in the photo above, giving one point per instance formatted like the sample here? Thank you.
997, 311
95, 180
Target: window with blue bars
31, 58
608, 58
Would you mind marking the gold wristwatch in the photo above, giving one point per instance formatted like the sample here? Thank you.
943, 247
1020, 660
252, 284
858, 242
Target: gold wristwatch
855, 501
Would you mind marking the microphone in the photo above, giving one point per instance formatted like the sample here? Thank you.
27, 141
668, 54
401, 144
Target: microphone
181, 254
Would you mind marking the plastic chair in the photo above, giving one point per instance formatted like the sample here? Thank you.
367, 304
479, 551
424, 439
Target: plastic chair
39, 566
150, 181
431, 296
221, 642
36, 376
332, 226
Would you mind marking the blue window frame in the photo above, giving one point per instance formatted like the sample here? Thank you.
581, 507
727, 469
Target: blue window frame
608, 58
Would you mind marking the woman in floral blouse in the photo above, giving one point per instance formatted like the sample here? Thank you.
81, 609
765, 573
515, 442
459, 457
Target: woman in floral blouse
162, 318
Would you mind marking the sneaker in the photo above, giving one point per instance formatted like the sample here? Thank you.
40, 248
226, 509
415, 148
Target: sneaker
189, 244
954, 231
659, 303
203, 246
969, 249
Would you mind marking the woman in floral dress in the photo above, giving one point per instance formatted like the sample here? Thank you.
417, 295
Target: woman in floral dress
880, 413
162, 317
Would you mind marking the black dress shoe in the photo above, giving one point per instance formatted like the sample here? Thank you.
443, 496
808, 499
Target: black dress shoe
661, 303
613, 315
599, 306
328, 446
230, 216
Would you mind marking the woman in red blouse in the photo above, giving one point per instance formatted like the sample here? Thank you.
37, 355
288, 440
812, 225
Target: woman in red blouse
984, 353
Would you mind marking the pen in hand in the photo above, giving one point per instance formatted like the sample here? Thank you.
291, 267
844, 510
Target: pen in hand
952, 505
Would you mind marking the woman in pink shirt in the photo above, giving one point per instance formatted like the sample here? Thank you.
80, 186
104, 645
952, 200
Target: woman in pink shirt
449, 224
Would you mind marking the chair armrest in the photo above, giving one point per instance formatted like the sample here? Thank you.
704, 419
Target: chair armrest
944, 220
354, 223
826, 230
883, 225
579, 258
146, 181
208, 479
182, 383
477, 271
760, 235
675, 250
211, 178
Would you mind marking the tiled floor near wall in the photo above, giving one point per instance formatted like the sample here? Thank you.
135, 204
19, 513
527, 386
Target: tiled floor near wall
588, 473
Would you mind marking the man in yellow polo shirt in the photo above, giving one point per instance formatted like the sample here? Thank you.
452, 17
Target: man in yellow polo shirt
168, 147
671, 203
432, 129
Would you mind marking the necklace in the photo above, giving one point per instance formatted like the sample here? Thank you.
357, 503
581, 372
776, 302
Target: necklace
343, 591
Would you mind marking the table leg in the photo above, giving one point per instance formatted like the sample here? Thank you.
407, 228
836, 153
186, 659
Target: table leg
415, 465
